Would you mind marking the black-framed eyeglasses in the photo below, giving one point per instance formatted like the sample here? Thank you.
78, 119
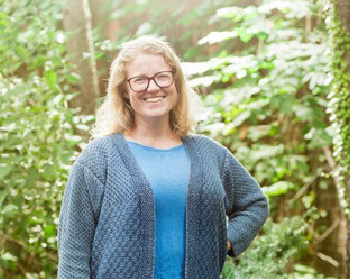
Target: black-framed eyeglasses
162, 79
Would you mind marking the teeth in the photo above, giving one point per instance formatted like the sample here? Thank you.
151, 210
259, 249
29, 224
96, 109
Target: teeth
154, 99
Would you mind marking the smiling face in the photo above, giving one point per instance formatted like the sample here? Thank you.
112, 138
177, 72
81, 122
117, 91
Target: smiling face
154, 102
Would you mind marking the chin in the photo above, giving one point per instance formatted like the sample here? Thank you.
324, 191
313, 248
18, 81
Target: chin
156, 113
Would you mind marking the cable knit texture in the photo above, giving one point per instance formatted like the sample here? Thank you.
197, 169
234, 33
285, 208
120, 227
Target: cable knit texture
107, 220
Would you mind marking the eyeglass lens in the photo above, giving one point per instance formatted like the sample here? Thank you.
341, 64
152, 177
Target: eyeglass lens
162, 79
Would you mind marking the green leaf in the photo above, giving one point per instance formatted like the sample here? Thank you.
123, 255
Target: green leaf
7, 256
245, 37
3, 19
49, 231
10, 210
307, 201
319, 138
3, 195
240, 118
278, 188
98, 55
266, 151
51, 78
323, 185
217, 37
22, 52
4, 171
283, 102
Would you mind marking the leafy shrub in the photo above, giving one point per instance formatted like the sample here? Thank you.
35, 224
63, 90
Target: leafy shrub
36, 137
269, 254
37, 150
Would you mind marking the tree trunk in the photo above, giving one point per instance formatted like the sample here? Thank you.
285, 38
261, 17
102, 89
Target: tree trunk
77, 24
339, 103
101, 11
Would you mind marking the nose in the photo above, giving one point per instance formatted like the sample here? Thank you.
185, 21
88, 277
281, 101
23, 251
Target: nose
152, 85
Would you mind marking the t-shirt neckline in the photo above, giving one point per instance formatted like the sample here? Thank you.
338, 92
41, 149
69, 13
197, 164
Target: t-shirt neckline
155, 149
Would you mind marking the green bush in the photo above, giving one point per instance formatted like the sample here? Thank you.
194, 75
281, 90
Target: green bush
36, 136
271, 252
37, 151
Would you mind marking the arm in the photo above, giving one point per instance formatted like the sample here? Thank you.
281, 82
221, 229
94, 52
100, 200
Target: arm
77, 224
246, 205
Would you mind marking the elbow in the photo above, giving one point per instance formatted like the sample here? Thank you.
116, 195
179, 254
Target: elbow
261, 210
265, 210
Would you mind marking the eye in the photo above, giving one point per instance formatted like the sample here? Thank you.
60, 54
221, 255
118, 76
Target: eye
140, 80
163, 76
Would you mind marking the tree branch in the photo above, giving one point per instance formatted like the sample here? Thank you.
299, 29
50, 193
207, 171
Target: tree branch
327, 259
303, 189
328, 231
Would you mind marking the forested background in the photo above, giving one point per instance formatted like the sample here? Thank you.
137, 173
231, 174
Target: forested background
274, 76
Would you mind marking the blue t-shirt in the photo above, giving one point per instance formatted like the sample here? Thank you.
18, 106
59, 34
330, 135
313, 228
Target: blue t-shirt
167, 172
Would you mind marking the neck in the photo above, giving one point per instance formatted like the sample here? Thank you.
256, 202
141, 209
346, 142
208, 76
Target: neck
155, 133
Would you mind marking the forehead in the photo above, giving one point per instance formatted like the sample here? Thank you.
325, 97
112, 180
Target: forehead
147, 64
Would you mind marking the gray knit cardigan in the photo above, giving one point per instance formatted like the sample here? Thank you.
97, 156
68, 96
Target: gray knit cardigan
107, 220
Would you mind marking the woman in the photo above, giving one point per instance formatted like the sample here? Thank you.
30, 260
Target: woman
149, 199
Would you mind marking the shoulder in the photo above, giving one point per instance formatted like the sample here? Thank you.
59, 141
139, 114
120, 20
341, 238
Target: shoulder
208, 146
97, 148
205, 142
96, 154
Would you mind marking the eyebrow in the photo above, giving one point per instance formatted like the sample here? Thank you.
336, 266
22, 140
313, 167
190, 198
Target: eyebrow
145, 75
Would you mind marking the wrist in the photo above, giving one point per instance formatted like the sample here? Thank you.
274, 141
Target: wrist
229, 246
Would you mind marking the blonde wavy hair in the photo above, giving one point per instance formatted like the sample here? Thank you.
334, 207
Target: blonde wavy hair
116, 115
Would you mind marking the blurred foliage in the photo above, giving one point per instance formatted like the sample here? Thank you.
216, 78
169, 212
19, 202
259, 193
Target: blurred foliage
36, 136
182, 23
268, 102
270, 253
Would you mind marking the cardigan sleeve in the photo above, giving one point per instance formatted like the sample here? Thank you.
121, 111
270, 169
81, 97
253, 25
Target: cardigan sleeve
246, 205
77, 224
